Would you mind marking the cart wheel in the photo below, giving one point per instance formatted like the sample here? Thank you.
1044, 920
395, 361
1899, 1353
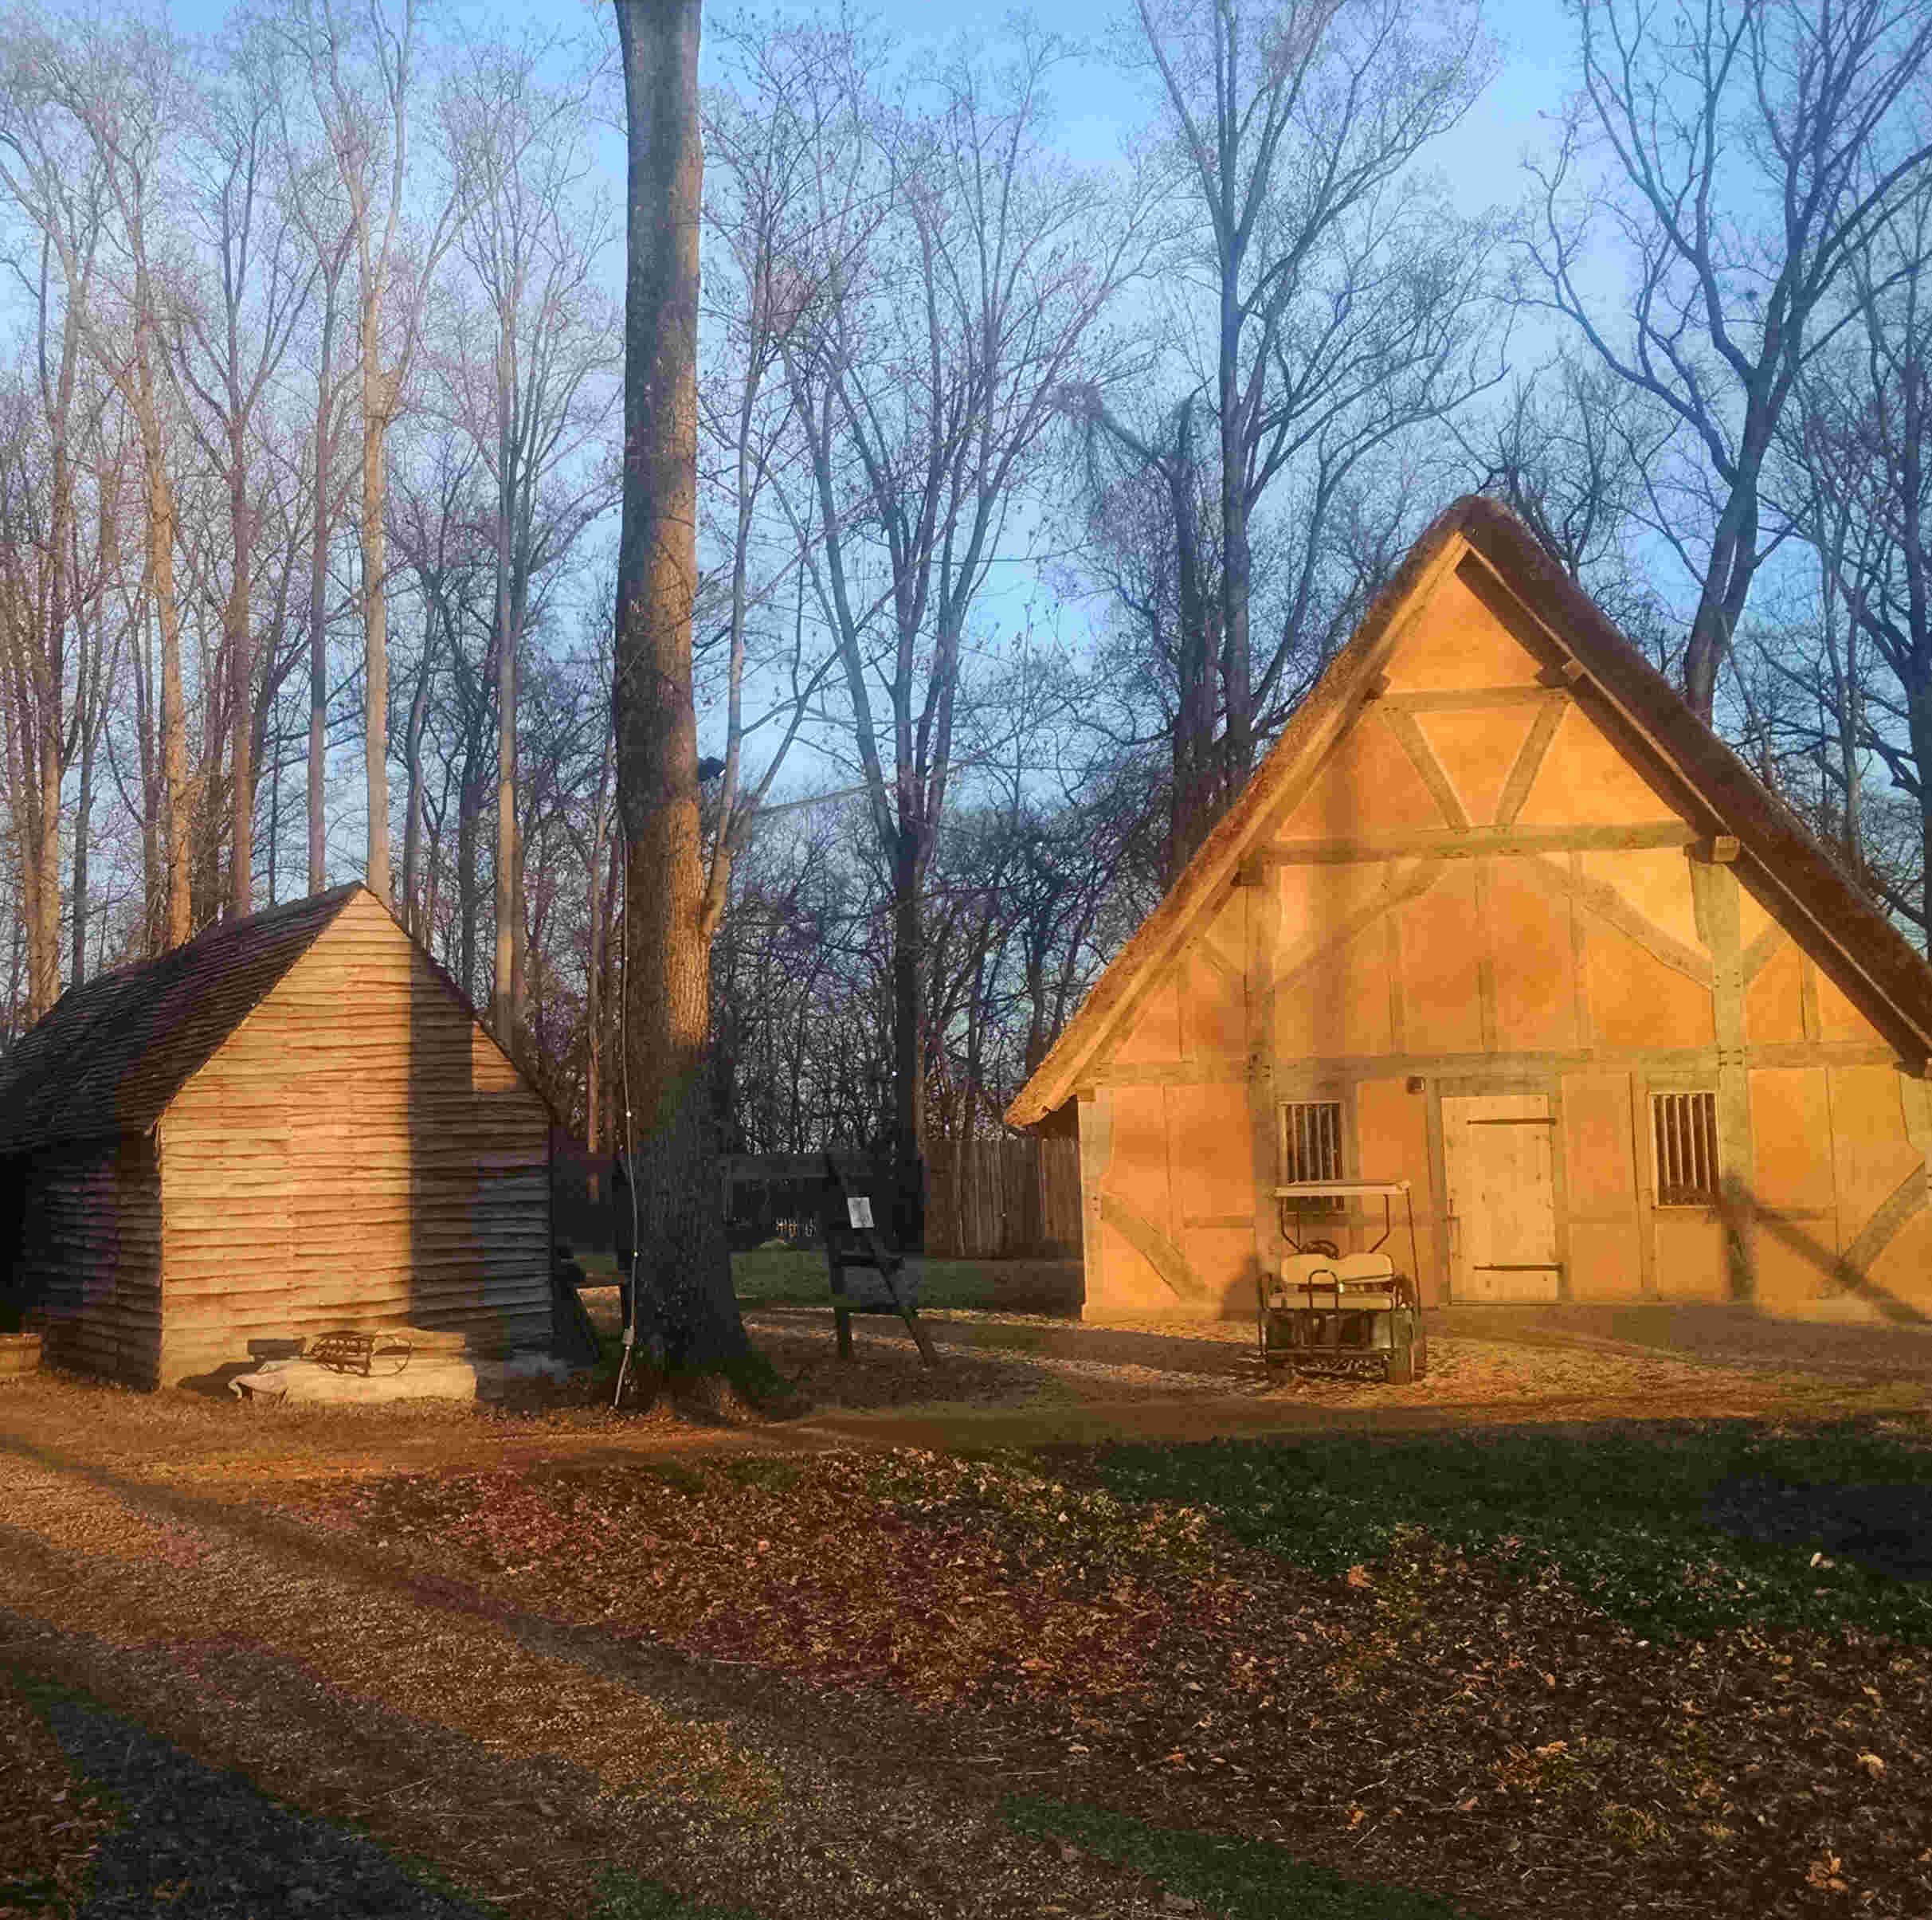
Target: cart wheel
1409, 1355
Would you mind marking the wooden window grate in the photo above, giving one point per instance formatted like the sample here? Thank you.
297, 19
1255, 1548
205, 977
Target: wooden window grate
1684, 1126
1311, 1140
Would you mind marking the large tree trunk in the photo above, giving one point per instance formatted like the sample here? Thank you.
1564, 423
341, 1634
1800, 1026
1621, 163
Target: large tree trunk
685, 1269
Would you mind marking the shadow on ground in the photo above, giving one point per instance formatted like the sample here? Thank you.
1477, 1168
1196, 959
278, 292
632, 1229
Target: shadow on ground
207, 1846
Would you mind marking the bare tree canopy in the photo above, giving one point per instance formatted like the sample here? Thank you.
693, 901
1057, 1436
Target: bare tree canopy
1325, 298
1741, 158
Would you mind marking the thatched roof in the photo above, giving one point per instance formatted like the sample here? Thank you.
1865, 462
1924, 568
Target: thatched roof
1886, 977
114, 1052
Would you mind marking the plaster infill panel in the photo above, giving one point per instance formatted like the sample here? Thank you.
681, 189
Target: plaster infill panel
1367, 785
1774, 1001
1154, 1033
1599, 1145
1655, 883
1871, 1154
1129, 1288
1459, 643
1902, 1275
1339, 1004
1532, 956
1605, 1263
1211, 1152
1796, 1246
1214, 1008
1837, 1018
1442, 945
1392, 1128
1476, 751
1690, 1255
1136, 1168
1791, 1132
1585, 781
1223, 1258
1638, 1001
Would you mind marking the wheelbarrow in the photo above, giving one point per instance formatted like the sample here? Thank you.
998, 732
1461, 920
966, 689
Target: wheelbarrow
1344, 1312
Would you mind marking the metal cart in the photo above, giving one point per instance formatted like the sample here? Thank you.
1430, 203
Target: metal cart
1349, 1311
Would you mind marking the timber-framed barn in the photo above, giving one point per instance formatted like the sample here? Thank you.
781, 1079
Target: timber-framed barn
1499, 915
293, 1124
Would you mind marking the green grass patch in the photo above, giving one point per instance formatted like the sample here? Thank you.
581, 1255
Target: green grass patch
623, 1896
1621, 1515
1234, 1879
793, 1276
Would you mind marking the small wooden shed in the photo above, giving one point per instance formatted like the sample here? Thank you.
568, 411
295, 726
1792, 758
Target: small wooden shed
293, 1124
1499, 915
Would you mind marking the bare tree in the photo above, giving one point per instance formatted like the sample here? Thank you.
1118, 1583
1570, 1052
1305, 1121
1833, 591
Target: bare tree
1752, 150
1338, 295
685, 1269
229, 344
116, 89
1861, 444
320, 209
948, 283
758, 203
362, 65
56, 181
532, 245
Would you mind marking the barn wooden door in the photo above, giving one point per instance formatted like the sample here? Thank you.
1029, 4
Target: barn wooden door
1497, 1151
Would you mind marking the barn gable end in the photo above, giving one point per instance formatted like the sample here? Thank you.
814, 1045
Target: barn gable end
1498, 915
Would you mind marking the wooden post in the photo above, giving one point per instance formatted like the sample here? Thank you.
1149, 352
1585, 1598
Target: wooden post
841, 1311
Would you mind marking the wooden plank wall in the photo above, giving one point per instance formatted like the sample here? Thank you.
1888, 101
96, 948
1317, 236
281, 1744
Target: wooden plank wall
90, 1255
1014, 1197
359, 1154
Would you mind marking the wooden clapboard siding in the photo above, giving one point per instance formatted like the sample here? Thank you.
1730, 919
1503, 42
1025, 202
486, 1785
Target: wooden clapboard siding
90, 1255
357, 1153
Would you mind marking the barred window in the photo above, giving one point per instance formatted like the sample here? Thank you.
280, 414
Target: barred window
1684, 1126
1311, 1140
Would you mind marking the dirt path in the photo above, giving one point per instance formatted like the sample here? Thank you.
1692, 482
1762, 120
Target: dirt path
518, 1756
1711, 1335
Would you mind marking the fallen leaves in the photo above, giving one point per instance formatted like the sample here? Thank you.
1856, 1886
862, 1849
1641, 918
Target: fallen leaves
1036, 1619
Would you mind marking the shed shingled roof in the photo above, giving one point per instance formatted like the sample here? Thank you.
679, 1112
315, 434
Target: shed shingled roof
113, 1053
1884, 974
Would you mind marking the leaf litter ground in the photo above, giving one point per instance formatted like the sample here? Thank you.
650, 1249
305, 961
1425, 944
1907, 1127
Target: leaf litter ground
1530, 1673
1561, 1672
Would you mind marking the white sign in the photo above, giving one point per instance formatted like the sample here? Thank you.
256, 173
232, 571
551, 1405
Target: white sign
859, 1211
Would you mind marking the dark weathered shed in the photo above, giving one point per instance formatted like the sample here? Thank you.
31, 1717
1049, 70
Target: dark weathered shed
293, 1123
